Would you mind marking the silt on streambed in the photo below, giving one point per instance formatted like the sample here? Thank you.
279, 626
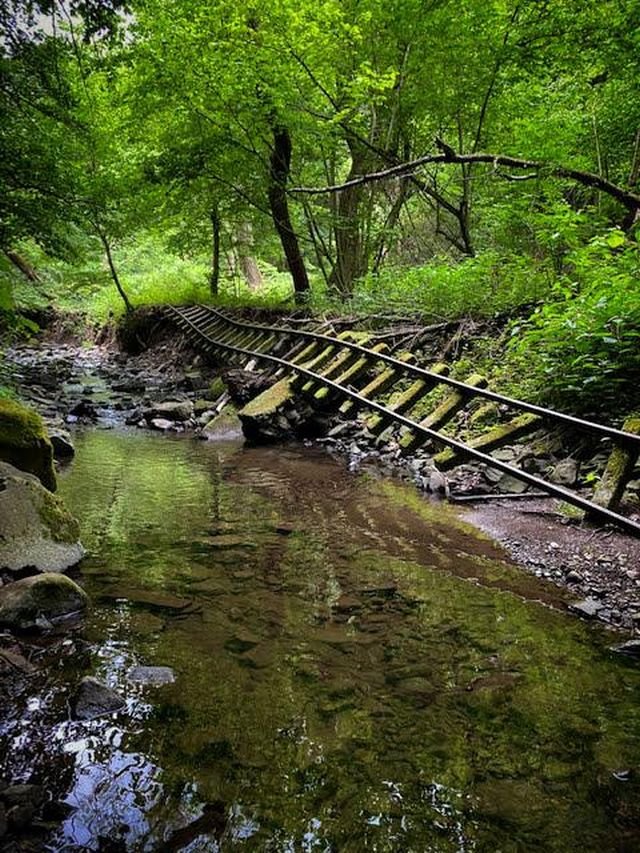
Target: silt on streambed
354, 669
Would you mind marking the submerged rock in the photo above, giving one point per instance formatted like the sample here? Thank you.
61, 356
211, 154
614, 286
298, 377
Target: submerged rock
94, 699
151, 675
24, 442
25, 603
36, 530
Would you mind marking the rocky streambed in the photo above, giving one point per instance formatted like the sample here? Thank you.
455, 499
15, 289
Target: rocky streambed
281, 653
171, 389
256, 627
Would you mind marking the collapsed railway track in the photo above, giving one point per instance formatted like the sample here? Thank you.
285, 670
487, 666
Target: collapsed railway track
340, 371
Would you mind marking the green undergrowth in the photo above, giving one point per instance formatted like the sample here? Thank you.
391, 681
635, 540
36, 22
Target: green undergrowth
569, 321
483, 286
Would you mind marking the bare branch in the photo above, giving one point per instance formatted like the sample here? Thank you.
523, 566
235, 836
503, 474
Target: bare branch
630, 200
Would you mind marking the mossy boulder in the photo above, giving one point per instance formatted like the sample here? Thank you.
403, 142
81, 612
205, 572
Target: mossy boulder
217, 387
202, 406
25, 603
36, 530
170, 410
225, 425
24, 442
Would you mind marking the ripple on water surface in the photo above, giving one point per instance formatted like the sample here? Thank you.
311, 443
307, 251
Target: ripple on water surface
354, 670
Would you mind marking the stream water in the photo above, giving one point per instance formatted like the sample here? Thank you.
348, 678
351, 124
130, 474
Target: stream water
355, 670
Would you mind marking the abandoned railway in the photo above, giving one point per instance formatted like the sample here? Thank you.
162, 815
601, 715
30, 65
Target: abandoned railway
341, 373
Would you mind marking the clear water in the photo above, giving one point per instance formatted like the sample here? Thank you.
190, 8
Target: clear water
355, 670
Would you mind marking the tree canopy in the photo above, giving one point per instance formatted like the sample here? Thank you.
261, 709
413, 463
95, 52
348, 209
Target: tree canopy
476, 127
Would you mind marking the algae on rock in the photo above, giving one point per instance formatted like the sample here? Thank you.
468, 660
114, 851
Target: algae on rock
24, 442
36, 530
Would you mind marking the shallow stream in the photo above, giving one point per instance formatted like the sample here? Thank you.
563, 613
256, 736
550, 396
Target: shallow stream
355, 670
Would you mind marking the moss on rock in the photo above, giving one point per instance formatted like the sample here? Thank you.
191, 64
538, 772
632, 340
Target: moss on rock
217, 387
25, 602
24, 442
269, 401
619, 470
36, 529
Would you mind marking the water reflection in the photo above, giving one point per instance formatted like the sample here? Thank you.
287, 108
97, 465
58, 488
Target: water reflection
354, 670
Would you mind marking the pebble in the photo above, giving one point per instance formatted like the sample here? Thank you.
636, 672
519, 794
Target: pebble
574, 577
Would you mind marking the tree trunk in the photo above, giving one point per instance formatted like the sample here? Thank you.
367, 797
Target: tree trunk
114, 272
23, 265
280, 166
349, 264
214, 279
246, 260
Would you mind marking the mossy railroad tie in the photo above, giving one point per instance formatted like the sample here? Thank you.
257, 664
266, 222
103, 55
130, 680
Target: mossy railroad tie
335, 364
315, 364
442, 414
496, 437
378, 385
306, 353
350, 375
407, 399
619, 470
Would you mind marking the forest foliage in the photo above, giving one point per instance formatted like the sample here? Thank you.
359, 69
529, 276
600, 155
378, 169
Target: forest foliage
156, 150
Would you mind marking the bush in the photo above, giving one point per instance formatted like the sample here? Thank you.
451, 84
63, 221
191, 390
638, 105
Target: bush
484, 286
581, 349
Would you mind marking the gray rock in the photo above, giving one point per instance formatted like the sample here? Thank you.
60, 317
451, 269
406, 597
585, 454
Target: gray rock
437, 482
161, 424
507, 484
51, 595
94, 699
504, 454
172, 410
588, 608
565, 473
156, 675
36, 530
574, 577
62, 445
203, 419
631, 648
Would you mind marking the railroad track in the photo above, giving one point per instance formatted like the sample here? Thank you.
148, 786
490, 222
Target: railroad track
344, 373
